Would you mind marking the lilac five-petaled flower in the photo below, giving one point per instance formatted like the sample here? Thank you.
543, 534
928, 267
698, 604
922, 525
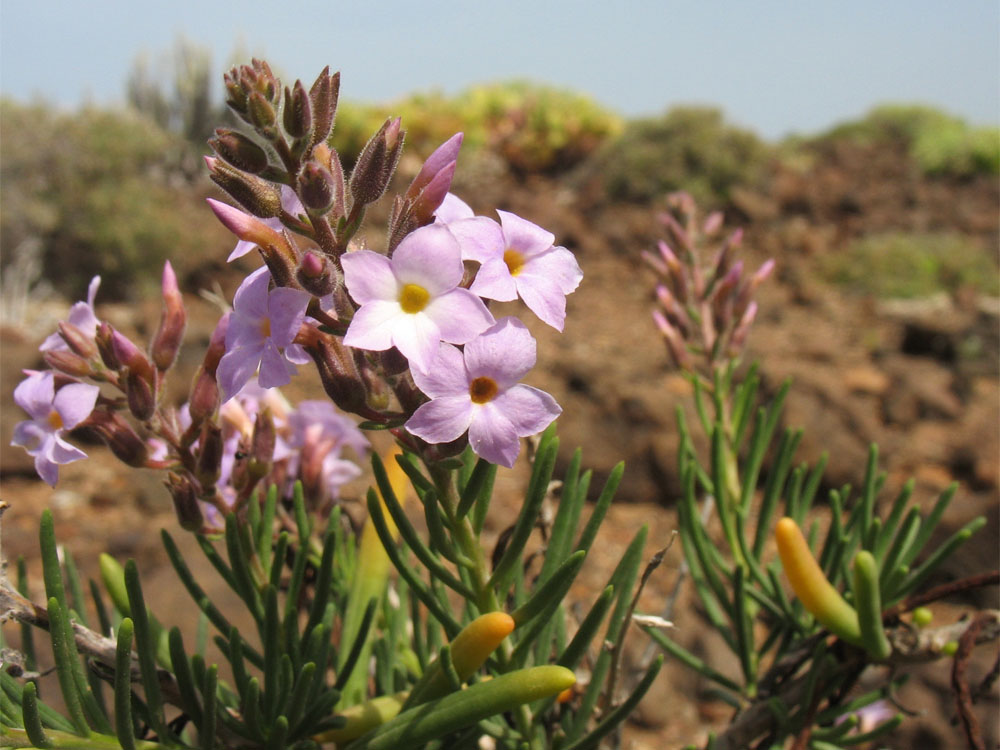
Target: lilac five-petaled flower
412, 301
261, 331
478, 390
519, 260
82, 316
52, 413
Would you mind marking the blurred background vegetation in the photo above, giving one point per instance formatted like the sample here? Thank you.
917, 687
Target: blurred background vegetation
116, 192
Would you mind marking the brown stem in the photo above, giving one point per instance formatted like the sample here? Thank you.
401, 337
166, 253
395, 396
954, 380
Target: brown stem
960, 683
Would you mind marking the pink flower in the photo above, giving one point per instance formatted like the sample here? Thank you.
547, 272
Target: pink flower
82, 316
52, 414
412, 301
290, 202
478, 390
261, 330
519, 260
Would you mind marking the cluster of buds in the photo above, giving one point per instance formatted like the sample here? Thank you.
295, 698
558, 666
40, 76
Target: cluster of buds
705, 310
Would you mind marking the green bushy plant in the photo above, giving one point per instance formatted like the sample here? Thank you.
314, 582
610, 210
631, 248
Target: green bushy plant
939, 143
99, 189
689, 147
912, 264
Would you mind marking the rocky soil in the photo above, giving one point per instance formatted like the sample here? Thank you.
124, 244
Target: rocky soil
919, 378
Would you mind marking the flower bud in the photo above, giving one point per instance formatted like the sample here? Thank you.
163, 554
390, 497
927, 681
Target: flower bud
77, 341
323, 95
68, 363
297, 114
377, 163
337, 373
316, 274
208, 462
433, 194
239, 151
262, 114
675, 344
119, 436
316, 188
378, 393
102, 338
173, 320
140, 397
260, 198
216, 345
185, 496
204, 397
262, 444
130, 356
443, 156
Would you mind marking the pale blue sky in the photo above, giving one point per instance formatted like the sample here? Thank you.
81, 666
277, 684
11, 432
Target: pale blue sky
777, 66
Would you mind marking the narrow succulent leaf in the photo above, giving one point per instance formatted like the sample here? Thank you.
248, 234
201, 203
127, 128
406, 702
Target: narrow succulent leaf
32, 719
904, 540
942, 553
251, 710
145, 646
577, 647
811, 586
240, 566
467, 652
27, 631
185, 680
743, 629
123, 686
458, 710
206, 732
545, 597
279, 733
481, 479
774, 487
364, 717
868, 488
589, 533
64, 670
931, 522
265, 534
541, 475
863, 738
893, 519
868, 601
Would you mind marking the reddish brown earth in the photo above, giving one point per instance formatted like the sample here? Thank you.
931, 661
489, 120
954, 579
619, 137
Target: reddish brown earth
864, 371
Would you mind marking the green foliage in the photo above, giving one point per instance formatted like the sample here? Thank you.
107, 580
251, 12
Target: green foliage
689, 148
911, 265
99, 189
939, 143
533, 128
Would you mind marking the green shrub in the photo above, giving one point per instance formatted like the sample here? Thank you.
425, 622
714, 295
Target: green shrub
909, 265
689, 148
99, 189
938, 142
534, 128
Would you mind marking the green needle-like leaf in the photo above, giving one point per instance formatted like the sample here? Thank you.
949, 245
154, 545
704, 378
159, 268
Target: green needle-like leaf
123, 686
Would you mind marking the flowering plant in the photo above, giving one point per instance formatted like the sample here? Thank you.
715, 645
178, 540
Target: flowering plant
381, 635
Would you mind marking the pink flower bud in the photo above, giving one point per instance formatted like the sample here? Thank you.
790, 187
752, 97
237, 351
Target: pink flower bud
140, 397
208, 462
173, 320
323, 95
443, 156
68, 363
130, 356
119, 436
433, 194
185, 496
297, 114
77, 340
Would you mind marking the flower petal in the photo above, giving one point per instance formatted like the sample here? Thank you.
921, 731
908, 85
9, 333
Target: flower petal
251, 298
446, 376
236, 367
275, 370
523, 235
480, 238
544, 298
493, 281
286, 309
417, 337
557, 264
441, 420
459, 315
372, 325
430, 257
75, 402
505, 352
530, 410
369, 276
493, 437
452, 208
34, 394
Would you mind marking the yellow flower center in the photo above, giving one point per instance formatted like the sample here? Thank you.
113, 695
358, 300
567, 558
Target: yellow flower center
482, 390
55, 420
514, 260
265, 328
413, 298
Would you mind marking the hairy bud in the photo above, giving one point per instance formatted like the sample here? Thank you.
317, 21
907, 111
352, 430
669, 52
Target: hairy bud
167, 341
185, 496
75, 339
208, 463
324, 94
297, 114
257, 196
140, 397
68, 363
377, 163
316, 188
316, 275
239, 151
